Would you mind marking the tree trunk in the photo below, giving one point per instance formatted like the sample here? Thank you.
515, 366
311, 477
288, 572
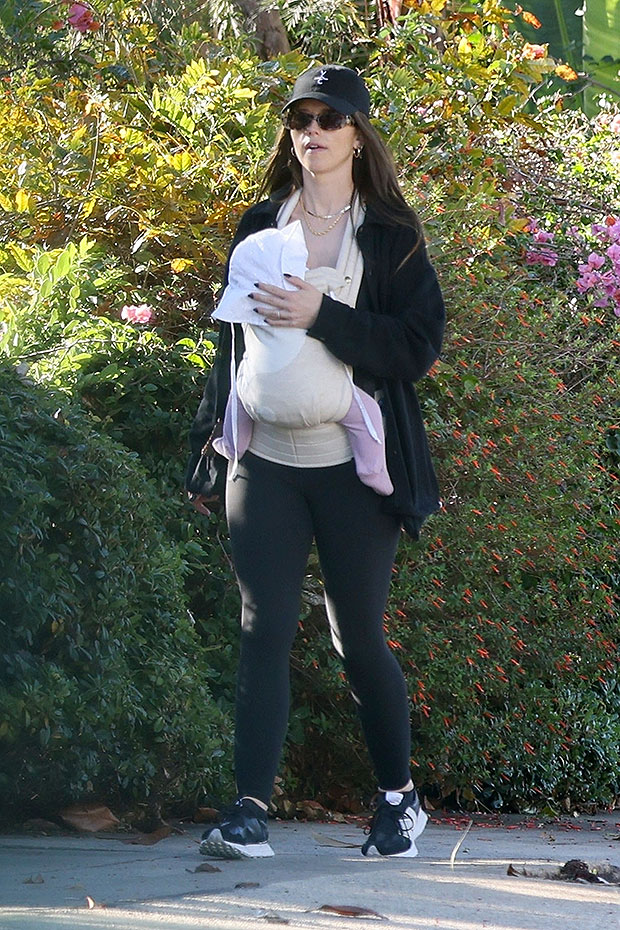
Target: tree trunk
267, 26
389, 11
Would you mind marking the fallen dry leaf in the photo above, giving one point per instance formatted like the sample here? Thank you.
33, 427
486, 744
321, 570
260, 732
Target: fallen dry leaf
90, 818
34, 880
323, 840
311, 810
204, 867
149, 839
206, 815
349, 910
285, 807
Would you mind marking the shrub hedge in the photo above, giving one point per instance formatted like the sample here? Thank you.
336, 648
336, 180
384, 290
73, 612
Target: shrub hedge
122, 187
104, 685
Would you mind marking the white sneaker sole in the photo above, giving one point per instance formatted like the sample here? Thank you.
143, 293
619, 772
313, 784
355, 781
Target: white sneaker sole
215, 845
420, 822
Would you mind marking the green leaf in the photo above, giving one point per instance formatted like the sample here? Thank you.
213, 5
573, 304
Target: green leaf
109, 373
508, 105
46, 288
43, 263
23, 259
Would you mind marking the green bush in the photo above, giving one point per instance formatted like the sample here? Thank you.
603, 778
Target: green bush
121, 179
506, 615
104, 684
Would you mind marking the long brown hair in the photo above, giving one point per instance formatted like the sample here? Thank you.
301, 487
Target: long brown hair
374, 175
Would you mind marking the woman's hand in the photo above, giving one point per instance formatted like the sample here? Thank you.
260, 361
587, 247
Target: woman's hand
279, 307
199, 502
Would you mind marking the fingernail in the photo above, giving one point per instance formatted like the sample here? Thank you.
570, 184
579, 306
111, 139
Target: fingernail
251, 296
287, 275
256, 284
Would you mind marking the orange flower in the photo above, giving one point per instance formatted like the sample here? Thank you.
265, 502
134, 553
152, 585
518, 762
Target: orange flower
566, 73
531, 52
531, 20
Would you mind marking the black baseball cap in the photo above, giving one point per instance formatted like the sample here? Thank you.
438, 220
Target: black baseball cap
339, 87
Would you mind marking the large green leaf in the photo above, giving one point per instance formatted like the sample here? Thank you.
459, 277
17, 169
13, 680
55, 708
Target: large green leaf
601, 47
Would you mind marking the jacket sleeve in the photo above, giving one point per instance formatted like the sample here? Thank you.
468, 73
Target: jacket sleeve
399, 336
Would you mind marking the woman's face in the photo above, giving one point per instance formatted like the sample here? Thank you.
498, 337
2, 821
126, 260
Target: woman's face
322, 151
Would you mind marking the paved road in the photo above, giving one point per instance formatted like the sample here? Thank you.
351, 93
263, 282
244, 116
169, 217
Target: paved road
46, 882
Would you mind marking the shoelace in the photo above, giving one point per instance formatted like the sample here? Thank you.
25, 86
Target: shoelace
387, 811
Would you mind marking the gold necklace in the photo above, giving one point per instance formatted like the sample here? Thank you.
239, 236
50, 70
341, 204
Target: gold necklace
328, 216
323, 232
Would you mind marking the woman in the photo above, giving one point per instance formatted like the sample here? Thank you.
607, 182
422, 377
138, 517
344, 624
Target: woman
369, 300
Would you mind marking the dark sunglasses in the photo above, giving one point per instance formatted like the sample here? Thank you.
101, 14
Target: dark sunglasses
327, 119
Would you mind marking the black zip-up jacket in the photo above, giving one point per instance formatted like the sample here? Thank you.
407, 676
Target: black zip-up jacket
391, 338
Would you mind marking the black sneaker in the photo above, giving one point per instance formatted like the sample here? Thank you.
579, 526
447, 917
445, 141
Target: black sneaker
397, 821
241, 833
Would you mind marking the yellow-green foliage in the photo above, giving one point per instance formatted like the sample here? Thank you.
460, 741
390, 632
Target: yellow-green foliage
121, 180
154, 181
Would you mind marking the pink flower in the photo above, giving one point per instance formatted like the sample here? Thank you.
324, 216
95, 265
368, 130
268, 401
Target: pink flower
544, 257
140, 313
613, 252
608, 230
588, 280
595, 260
542, 236
615, 124
609, 282
613, 231
81, 18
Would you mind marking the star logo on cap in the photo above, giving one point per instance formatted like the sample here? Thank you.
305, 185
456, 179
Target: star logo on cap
321, 77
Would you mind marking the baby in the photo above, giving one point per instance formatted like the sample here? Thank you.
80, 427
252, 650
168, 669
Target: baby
286, 378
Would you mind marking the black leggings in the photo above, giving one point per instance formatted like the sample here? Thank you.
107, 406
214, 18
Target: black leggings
274, 511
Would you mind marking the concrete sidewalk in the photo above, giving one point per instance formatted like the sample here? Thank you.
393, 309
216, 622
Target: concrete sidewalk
45, 882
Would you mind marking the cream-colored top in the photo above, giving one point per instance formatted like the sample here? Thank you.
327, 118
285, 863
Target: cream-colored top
296, 409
